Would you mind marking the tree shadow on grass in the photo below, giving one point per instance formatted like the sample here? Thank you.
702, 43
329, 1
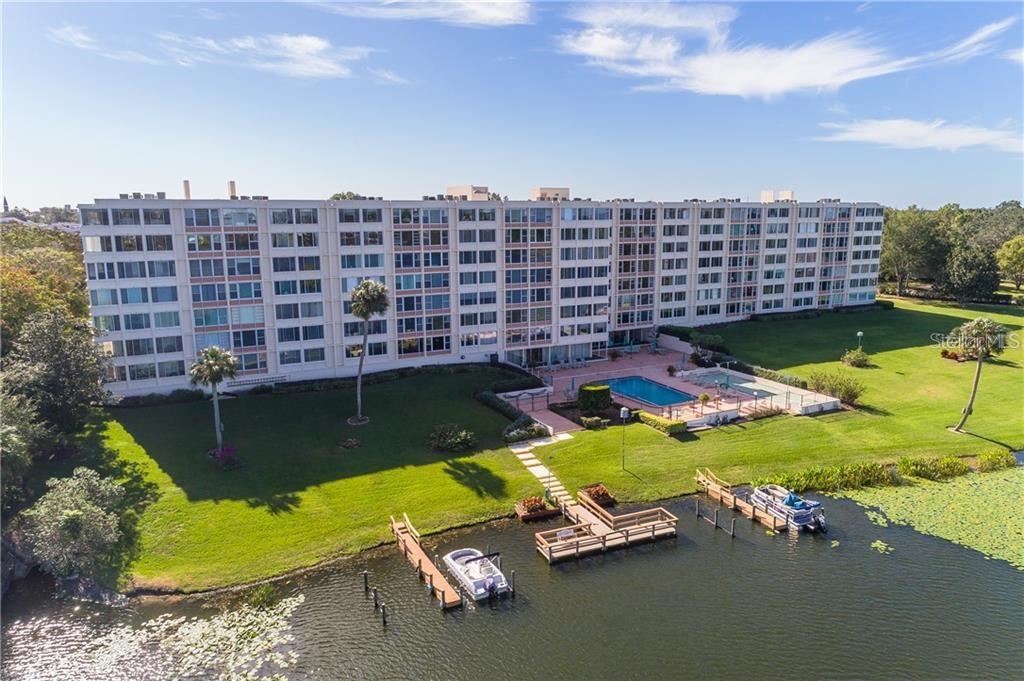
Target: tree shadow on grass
276, 504
874, 411
138, 494
988, 439
473, 476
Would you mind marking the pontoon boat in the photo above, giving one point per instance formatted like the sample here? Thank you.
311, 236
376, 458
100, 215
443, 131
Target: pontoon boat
799, 513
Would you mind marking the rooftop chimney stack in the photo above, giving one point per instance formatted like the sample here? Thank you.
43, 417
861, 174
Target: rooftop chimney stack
232, 193
188, 189
767, 196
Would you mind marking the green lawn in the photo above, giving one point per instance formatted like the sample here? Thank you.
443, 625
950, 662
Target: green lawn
912, 395
300, 498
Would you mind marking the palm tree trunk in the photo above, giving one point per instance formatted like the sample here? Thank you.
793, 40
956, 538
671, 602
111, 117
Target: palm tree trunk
974, 392
359, 376
216, 419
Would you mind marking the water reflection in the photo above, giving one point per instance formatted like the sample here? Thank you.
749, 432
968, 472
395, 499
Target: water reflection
704, 604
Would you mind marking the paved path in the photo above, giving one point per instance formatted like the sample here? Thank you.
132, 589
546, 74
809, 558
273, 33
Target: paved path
524, 452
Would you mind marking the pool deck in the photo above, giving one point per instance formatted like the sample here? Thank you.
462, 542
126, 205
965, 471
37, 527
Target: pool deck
726, 404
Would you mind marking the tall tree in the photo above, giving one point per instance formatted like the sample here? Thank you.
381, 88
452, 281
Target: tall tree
55, 363
22, 435
971, 272
982, 338
913, 248
1010, 257
72, 527
211, 369
369, 299
344, 196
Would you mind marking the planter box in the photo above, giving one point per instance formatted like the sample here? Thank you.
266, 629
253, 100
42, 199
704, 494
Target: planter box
604, 503
536, 515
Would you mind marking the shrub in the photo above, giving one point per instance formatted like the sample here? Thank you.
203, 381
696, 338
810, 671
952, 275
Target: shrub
953, 355
838, 384
672, 369
709, 341
451, 437
885, 304
780, 377
932, 468
592, 422
263, 389
835, 478
856, 358
181, 395
261, 596
995, 460
524, 428
660, 424
944, 352
614, 354
594, 399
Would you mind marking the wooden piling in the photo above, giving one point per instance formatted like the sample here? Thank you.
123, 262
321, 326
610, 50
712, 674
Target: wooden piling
512, 586
366, 581
384, 614
376, 598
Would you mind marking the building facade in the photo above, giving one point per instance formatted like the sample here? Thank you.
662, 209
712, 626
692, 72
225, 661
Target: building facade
526, 282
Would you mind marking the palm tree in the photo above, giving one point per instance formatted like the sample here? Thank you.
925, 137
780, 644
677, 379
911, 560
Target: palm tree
370, 298
981, 338
213, 366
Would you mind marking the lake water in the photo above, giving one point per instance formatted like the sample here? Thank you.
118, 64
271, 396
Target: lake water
702, 605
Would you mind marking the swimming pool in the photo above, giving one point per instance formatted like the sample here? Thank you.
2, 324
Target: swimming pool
647, 391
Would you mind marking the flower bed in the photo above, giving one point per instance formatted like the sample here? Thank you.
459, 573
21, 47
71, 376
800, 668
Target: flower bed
535, 508
599, 494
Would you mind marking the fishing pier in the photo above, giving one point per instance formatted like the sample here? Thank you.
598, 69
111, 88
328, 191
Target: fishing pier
596, 530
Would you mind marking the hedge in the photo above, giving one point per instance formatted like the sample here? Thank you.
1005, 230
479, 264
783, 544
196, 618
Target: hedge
683, 333
317, 385
516, 384
152, 399
660, 424
594, 398
995, 460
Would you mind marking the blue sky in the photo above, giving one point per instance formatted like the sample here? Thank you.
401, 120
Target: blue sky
899, 103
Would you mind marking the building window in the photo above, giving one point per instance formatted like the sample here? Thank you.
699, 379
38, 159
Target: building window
289, 357
164, 320
125, 216
313, 355
141, 372
156, 216
95, 216
171, 368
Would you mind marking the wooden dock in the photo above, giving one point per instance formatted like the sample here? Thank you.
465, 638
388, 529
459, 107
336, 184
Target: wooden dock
722, 492
595, 530
412, 548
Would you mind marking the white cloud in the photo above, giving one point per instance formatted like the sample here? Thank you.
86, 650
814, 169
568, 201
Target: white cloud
387, 76
458, 12
211, 14
711, 21
906, 133
1016, 55
640, 41
77, 36
295, 55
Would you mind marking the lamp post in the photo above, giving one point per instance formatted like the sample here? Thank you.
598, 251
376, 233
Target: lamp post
860, 338
624, 415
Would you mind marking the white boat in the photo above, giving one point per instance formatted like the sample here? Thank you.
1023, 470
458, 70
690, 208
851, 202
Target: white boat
799, 513
478, 575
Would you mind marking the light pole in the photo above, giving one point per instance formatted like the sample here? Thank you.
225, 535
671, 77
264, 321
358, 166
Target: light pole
860, 338
624, 415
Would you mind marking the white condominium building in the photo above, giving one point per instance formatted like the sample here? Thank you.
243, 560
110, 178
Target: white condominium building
470, 279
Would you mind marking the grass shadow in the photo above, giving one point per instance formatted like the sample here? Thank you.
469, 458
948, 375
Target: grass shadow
276, 504
987, 439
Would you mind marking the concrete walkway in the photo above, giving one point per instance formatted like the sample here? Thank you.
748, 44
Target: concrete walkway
524, 452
